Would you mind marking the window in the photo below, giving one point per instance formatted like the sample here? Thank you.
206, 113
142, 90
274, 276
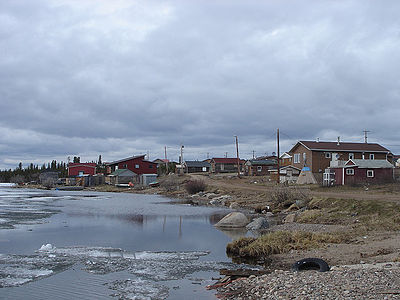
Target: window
259, 168
370, 173
351, 155
150, 166
137, 166
328, 155
304, 157
349, 171
124, 166
81, 173
296, 158
371, 156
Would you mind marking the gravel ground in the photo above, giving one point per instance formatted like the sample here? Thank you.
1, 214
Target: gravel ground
308, 227
381, 281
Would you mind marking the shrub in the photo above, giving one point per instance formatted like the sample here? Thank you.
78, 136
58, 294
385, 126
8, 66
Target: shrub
195, 186
284, 196
170, 183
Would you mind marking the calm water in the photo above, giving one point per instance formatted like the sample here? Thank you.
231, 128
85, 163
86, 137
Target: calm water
89, 245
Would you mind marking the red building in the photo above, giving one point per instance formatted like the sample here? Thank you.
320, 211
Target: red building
80, 169
136, 164
360, 171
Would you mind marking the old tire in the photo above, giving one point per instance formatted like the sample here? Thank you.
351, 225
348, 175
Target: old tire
311, 264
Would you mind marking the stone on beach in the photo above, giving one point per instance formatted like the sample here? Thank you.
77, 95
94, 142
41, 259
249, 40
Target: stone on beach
233, 220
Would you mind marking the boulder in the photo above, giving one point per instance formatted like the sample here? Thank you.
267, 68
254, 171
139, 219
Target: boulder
258, 224
290, 218
233, 220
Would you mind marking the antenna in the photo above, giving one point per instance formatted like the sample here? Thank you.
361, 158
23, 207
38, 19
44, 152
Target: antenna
366, 136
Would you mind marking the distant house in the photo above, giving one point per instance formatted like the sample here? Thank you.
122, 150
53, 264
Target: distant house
136, 164
362, 171
285, 159
48, 175
194, 166
255, 167
318, 155
81, 169
226, 165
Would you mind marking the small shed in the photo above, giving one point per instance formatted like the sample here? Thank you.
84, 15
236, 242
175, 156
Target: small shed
122, 176
362, 171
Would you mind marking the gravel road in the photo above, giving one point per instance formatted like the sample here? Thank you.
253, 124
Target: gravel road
380, 281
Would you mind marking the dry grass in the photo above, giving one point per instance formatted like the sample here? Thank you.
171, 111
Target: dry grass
282, 242
285, 196
361, 214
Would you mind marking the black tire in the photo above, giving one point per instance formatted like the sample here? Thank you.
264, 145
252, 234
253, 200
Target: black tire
311, 264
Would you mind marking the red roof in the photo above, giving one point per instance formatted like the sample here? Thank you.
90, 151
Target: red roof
226, 160
333, 146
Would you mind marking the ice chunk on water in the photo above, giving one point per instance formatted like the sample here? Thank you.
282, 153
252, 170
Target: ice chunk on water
47, 247
138, 289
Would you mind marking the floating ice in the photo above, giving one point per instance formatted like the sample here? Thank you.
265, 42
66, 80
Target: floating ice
47, 247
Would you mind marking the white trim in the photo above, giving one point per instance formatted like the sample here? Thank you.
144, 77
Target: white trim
373, 174
372, 156
350, 172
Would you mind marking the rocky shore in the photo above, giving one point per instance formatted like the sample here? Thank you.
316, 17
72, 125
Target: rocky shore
363, 281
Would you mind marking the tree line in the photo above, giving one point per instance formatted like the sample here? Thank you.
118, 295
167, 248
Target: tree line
32, 172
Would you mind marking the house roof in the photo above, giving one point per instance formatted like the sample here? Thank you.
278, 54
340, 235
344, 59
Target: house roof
124, 172
347, 147
226, 160
126, 159
369, 163
266, 162
161, 160
195, 163
91, 165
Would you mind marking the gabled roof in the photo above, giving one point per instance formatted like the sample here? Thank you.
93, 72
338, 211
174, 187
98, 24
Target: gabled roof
198, 164
226, 160
124, 172
267, 162
126, 159
369, 163
342, 147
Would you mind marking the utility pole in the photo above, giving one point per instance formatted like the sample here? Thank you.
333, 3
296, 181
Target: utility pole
166, 160
237, 155
366, 136
278, 179
226, 154
182, 171
254, 154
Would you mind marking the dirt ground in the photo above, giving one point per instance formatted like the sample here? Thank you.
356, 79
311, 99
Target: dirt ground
372, 247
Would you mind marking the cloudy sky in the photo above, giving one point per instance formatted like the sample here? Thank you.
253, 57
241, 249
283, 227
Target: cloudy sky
124, 77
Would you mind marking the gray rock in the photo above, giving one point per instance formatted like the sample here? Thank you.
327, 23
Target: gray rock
258, 223
290, 218
233, 220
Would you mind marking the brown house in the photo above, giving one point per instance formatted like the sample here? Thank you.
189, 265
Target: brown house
225, 165
259, 167
319, 155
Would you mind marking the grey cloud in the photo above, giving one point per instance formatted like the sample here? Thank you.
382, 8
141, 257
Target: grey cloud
149, 74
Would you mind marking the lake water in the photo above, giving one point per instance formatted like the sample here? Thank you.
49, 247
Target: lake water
90, 245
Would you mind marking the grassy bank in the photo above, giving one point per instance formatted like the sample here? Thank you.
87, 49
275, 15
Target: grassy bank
281, 242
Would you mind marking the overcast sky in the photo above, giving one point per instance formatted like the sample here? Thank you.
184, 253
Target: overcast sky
124, 77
